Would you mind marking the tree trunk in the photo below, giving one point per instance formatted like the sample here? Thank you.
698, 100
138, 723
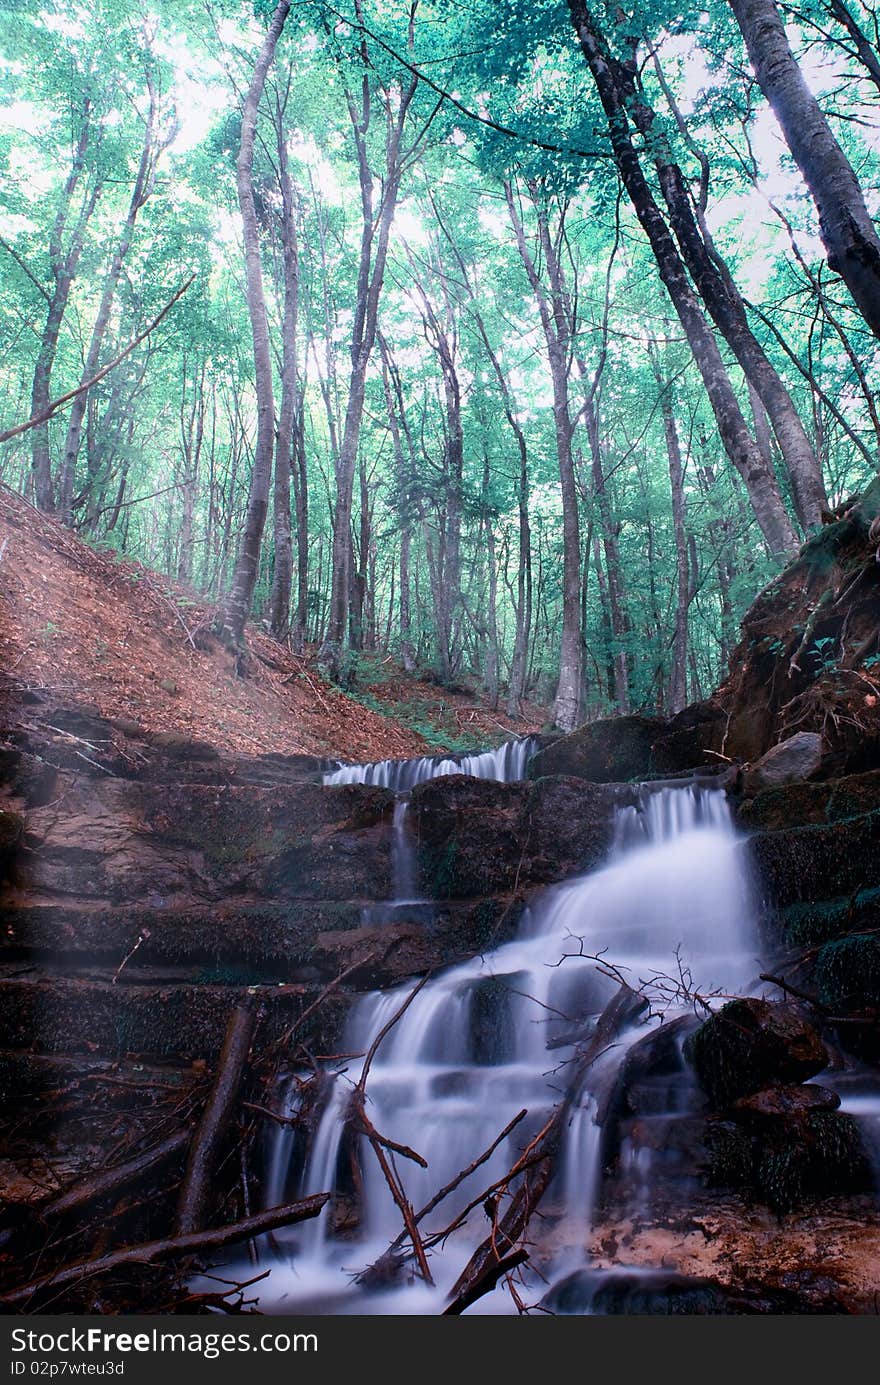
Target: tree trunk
244, 578
845, 225
143, 187
557, 333
371, 273
63, 264
282, 576
760, 484
678, 681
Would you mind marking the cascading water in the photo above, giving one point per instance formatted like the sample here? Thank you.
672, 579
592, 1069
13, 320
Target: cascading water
505, 764
493, 1036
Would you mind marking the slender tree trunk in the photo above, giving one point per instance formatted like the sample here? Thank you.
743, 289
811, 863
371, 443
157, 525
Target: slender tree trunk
847, 230
557, 333
726, 308
282, 577
371, 273
143, 187
760, 484
397, 426
620, 627
63, 264
244, 578
301, 508
678, 680
719, 292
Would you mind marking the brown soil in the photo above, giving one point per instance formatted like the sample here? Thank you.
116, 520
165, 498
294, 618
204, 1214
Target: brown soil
95, 628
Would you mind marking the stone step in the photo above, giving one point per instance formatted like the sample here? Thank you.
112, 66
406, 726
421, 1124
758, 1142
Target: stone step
65, 1015
257, 941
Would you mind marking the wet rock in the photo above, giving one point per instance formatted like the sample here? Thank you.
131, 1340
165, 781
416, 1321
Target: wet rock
787, 1151
783, 1103
789, 762
60, 1015
11, 833
127, 841
749, 1044
816, 803
618, 749
476, 837
662, 1293
811, 923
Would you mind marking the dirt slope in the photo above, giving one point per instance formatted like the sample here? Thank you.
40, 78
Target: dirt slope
91, 627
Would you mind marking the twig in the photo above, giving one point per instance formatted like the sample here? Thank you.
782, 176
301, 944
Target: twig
371, 1051
380, 1269
403, 1203
790, 990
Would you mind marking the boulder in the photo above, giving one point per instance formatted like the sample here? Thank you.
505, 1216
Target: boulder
818, 862
476, 837
619, 749
784, 1103
750, 1044
789, 762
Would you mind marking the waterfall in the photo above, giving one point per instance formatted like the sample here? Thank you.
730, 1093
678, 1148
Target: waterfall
494, 1035
506, 763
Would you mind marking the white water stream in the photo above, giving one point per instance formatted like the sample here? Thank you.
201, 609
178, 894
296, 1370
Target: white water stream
472, 1048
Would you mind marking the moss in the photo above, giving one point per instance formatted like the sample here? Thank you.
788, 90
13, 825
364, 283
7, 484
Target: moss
826, 1159
790, 1162
816, 922
443, 870
730, 1159
848, 973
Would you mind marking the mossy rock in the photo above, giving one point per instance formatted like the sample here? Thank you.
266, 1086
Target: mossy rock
821, 1157
749, 1044
848, 973
815, 922
788, 1162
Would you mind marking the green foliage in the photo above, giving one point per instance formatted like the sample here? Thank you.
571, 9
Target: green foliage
164, 469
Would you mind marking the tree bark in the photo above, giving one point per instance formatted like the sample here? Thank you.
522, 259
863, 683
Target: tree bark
845, 225
724, 302
63, 264
143, 187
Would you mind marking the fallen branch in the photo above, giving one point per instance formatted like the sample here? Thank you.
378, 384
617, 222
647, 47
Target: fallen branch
389, 1262
172, 1247
536, 1161
45, 414
487, 1281
404, 1206
111, 1180
194, 1194
398, 1014
791, 990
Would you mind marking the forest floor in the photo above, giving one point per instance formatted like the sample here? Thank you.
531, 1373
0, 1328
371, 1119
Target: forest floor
91, 627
